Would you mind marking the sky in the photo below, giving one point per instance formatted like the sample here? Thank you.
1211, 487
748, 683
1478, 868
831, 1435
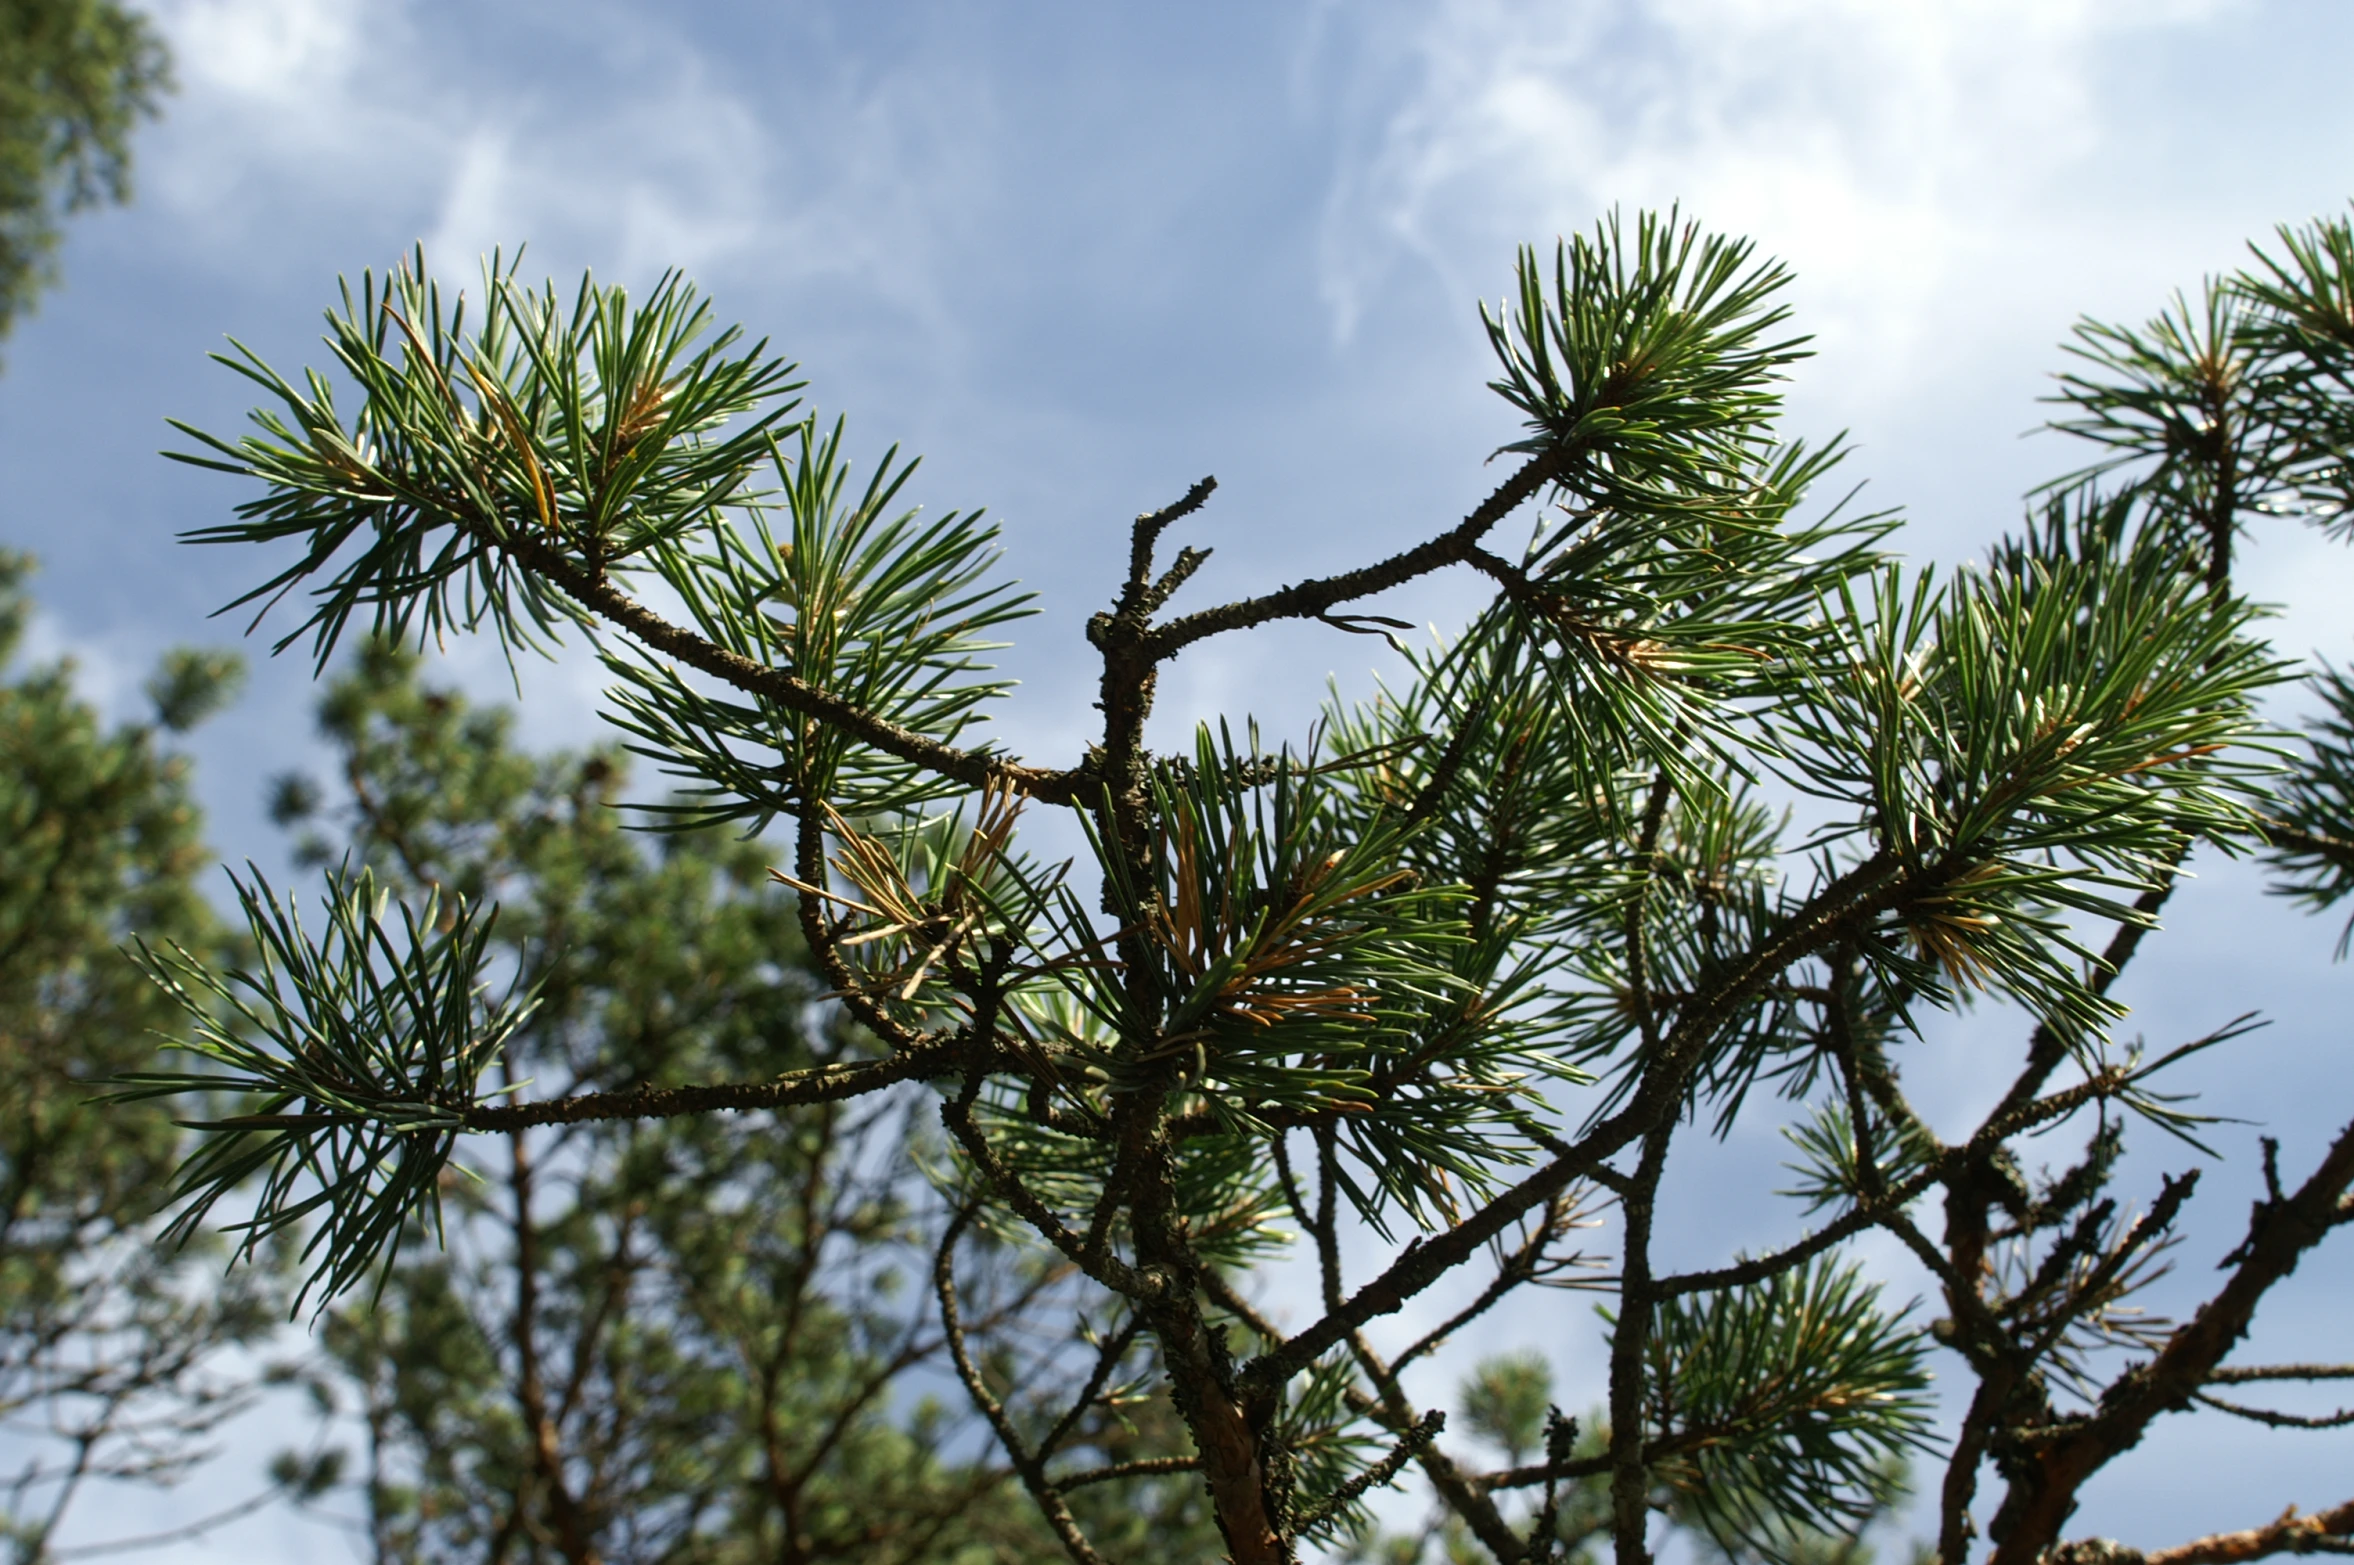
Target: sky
1079, 256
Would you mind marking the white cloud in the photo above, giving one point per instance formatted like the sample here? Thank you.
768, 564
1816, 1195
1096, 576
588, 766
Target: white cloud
272, 90
478, 198
101, 667
317, 136
275, 51
1897, 152
598, 132
673, 174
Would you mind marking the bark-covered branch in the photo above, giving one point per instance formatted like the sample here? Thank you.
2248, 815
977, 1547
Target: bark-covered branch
2320, 1532
1316, 597
1028, 1465
1745, 1274
2274, 1418
595, 591
1860, 893
818, 1084
2279, 1234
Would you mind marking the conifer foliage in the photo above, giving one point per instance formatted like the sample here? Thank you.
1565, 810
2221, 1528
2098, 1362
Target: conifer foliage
111, 1367
76, 78
699, 1337
1411, 997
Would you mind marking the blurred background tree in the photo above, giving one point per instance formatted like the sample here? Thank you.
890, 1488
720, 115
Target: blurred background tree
700, 1338
116, 1361
76, 78
110, 1351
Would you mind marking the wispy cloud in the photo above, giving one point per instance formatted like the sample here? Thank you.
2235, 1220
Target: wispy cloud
599, 132
1889, 148
274, 94
312, 137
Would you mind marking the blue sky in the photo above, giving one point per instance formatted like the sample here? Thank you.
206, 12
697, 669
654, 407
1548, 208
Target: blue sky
1081, 255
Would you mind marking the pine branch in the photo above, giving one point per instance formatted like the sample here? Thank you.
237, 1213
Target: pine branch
1630, 1340
1140, 595
2322, 1532
2279, 1234
2297, 839
2275, 1419
1860, 892
1027, 1465
1521, 1266
957, 1114
593, 590
1744, 1274
817, 1084
1150, 1467
2239, 1376
1107, 1359
1409, 1445
1457, 1490
1314, 598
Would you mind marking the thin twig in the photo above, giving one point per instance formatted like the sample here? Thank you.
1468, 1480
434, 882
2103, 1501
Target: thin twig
957, 1114
2242, 1376
1743, 1274
1027, 1465
1518, 1267
1409, 1445
1150, 1467
1868, 888
2322, 1532
1310, 599
1107, 1359
595, 591
2279, 1234
2276, 1419
181, 1534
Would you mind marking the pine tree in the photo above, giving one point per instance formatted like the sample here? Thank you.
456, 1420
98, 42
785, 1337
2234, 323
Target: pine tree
690, 1338
110, 1367
1408, 996
76, 78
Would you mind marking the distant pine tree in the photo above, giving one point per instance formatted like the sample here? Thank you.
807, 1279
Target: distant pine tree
110, 1352
694, 1338
76, 78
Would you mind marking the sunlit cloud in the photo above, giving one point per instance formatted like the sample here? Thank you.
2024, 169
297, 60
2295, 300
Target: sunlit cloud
341, 113
1897, 154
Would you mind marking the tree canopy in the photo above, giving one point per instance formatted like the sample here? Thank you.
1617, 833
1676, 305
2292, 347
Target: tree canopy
110, 1365
693, 1338
1406, 999
78, 77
